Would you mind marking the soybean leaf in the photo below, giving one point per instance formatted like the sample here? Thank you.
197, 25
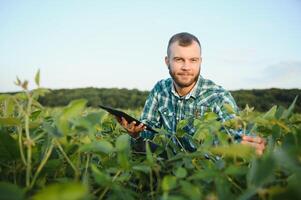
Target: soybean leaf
180, 132
181, 172
101, 177
123, 143
143, 168
37, 78
102, 146
74, 109
9, 121
10, 191
9, 148
169, 182
193, 192
63, 191
261, 171
234, 150
289, 111
149, 156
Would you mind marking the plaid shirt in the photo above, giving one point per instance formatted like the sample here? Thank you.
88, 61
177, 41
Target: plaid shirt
165, 108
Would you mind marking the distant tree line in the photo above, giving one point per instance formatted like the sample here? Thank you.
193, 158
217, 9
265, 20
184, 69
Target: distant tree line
262, 99
113, 97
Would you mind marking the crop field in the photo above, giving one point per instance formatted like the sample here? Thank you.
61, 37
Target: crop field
76, 152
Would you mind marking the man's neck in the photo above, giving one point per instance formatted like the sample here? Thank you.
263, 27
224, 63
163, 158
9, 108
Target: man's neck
183, 91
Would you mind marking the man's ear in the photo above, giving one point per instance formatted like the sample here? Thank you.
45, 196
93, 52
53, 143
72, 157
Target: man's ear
167, 61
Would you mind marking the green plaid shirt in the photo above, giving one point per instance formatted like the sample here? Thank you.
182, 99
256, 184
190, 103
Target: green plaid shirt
165, 108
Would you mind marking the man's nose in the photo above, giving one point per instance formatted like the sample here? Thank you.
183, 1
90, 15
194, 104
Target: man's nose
185, 65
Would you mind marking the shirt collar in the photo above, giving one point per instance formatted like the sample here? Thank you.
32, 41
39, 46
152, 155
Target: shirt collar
193, 93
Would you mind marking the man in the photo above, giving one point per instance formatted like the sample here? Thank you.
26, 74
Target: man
186, 94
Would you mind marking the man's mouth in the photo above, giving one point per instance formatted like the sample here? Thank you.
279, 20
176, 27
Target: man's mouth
184, 74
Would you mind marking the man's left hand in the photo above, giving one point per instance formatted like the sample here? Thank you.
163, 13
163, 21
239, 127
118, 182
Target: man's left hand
257, 142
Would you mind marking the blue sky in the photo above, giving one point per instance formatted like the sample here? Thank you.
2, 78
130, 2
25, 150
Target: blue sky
246, 44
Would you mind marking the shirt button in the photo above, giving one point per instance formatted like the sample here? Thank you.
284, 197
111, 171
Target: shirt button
177, 118
179, 101
164, 113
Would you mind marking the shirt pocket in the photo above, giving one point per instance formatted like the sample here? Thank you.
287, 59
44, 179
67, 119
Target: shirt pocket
201, 109
167, 117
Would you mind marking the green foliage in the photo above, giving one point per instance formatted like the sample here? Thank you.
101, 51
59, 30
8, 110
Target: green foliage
63, 191
10, 191
262, 100
76, 152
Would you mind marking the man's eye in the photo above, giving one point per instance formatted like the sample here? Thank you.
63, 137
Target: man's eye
178, 60
194, 59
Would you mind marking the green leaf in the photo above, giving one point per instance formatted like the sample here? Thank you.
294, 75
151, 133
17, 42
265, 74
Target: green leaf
168, 183
149, 156
210, 116
193, 192
9, 121
229, 109
123, 143
289, 111
102, 178
51, 130
9, 148
37, 78
181, 172
18, 81
123, 149
201, 134
8, 105
74, 109
261, 171
102, 146
223, 188
10, 191
234, 150
180, 132
35, 114
271, 113
39, 92
236, 170
123, 160
143, 168
63, 191
24, 85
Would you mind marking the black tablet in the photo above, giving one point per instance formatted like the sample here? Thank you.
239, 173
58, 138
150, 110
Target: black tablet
128, 118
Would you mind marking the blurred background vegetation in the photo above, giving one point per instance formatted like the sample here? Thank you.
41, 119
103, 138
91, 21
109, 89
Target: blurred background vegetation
260, 99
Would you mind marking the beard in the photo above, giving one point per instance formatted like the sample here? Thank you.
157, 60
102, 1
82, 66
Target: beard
184, 79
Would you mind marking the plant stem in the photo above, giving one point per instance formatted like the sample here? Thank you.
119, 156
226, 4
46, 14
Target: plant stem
67, 158
180, 144
151, 184
87, 165
29, 144
235, 184
107, 188
40, 167
21, 145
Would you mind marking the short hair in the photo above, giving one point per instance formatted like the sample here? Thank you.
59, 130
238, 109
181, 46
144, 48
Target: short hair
185, 39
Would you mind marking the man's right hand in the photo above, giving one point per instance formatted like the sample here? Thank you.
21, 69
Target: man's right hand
131, 128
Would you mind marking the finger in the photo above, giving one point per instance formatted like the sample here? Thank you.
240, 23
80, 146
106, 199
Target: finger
259, 152
118, 119
255, 139
140, 125
257, 146
132, 125
124, 123
139, 128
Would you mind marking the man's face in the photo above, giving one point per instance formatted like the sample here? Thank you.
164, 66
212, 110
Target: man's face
184, 64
